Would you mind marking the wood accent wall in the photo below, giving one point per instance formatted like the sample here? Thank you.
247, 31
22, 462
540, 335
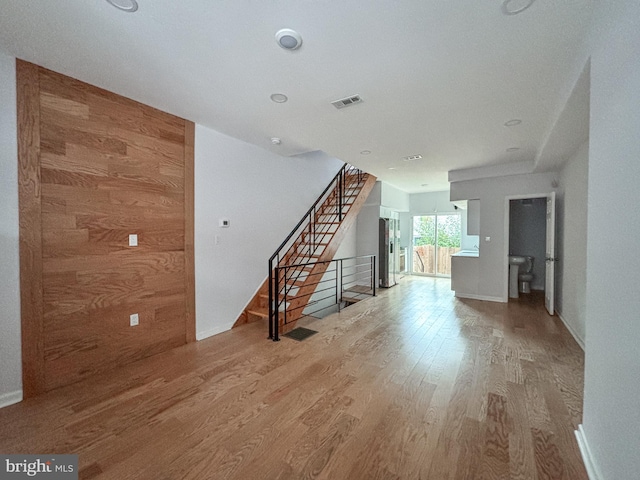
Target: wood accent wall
95, 167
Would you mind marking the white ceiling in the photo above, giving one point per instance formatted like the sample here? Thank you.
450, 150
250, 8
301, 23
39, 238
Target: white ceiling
437, 77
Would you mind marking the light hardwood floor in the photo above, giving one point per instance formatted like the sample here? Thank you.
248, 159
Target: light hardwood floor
412, 384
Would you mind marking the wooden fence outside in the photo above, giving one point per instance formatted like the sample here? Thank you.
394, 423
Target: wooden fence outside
423, 259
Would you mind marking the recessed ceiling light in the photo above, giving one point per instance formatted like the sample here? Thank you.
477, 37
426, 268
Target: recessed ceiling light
279, 98
125, 5
275, 141
513, 122
514, 7
392, 168
288, 39
513, 149
365, 152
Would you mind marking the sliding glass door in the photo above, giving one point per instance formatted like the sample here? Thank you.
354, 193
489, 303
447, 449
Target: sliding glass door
435, 239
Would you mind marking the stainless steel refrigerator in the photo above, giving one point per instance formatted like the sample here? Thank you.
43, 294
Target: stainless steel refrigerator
387, 252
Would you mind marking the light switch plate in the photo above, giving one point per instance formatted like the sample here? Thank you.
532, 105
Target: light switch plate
133, 240
134, 319
487, 239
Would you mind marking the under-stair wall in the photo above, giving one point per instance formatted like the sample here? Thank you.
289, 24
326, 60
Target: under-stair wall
263, 195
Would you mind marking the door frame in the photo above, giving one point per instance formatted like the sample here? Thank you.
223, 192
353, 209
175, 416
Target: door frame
507, 199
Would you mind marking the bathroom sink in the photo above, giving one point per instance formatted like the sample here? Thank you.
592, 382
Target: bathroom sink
517, 260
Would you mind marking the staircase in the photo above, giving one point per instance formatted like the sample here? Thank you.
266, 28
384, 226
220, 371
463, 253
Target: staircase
307, 251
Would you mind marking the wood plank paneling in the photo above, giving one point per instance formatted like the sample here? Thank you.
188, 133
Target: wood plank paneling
28, 94
189, 230
95, 168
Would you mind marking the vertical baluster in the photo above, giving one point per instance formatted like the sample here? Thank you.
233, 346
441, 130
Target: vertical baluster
271, 278
276, 322
373, 277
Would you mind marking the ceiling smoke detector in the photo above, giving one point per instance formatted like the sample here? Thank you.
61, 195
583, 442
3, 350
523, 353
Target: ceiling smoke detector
347, 101
279, 98
288, 39
125, 5
411, 158
514, 7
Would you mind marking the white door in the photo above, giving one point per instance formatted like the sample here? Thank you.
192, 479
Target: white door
549, 284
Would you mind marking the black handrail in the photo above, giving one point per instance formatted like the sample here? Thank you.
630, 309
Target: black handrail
315, 236
364, 276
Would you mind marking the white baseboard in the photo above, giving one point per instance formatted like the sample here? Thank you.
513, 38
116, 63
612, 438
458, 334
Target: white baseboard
473, 296
10, 398
572, 331
589, 462
211, 332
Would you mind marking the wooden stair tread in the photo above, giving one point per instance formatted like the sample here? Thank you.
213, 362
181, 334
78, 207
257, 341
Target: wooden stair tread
259, 312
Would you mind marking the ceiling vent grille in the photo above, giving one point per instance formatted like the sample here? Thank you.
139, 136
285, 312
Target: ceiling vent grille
347, 101
411, 158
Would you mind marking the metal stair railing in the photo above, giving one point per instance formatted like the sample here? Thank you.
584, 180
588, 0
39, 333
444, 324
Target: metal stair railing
352, 275
331, 203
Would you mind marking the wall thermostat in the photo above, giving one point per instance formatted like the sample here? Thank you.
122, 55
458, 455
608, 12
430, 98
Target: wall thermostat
223, 223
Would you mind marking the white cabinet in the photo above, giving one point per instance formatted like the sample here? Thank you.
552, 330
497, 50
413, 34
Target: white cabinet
464, 275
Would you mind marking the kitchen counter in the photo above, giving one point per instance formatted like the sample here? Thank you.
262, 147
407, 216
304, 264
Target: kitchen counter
467, 253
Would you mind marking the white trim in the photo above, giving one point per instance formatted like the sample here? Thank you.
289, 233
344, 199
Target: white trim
473, 296
572, 331
589, 462
10, 398
211, 333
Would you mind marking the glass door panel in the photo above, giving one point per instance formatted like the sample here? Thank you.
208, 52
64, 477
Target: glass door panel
424, 244
449, 232
435, 239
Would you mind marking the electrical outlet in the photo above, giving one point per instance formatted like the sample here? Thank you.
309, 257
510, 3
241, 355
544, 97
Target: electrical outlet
134, 319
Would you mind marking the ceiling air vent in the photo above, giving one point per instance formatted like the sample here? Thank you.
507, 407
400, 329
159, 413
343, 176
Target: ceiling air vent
347, 101
411, 158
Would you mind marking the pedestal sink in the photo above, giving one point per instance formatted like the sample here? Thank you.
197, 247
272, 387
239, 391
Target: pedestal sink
514, 266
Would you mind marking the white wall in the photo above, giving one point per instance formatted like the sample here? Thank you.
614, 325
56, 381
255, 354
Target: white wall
492, 193
10, 348
263, 195
571, 271
394, 198
611, 419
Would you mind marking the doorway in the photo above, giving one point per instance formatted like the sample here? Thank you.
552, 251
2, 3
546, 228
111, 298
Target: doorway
530, 233
435, 238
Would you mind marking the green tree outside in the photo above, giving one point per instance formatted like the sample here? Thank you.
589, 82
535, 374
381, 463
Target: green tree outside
449, 230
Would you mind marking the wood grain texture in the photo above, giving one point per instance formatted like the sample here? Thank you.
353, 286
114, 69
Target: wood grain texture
410, 384
99, 167
29, 197
189, 231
